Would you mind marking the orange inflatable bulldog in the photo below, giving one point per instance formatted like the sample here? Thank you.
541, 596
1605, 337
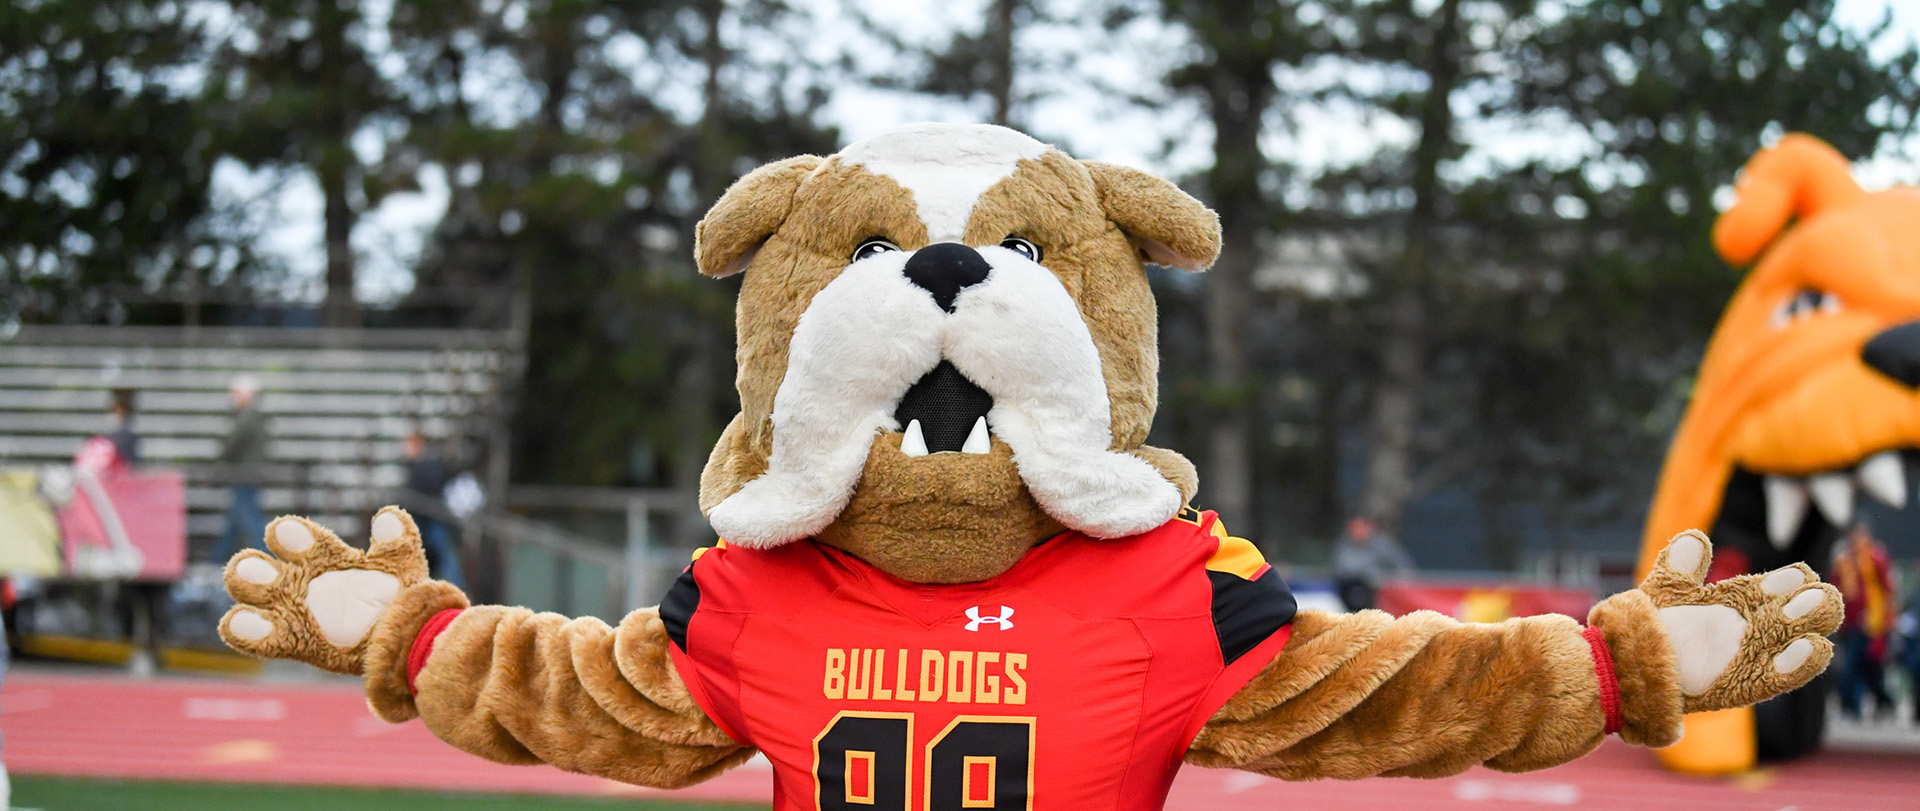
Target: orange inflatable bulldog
1805, 402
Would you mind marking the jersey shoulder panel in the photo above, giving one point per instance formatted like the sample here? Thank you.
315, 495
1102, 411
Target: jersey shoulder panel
683, 597
734, 579
1250, 600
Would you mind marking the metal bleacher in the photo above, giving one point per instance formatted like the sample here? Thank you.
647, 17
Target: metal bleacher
339, 405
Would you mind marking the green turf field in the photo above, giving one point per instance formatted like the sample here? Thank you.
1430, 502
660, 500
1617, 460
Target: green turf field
73, 794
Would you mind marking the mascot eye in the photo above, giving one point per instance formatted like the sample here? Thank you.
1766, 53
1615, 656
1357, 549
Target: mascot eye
873, 247
1805, 303
1022, 247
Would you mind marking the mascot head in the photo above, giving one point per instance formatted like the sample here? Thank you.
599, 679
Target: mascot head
1807, 395
947, 349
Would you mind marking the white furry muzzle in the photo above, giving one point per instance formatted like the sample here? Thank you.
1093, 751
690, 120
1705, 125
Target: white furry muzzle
870, 334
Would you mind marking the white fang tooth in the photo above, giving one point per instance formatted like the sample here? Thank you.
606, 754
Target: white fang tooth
913, 443
977, 440
1833, 494
1786, 508
1884, 477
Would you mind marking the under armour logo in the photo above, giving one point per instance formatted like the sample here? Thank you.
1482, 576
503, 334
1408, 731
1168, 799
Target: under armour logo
1005, 620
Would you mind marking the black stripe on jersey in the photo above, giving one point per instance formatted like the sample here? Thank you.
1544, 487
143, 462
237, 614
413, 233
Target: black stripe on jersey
676, 609
1246, 612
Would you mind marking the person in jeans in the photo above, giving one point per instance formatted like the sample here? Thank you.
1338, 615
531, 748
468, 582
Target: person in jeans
243, 452
1865, 579
427, 478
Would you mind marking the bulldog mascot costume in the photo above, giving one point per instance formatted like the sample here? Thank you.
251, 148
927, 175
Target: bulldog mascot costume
951, 574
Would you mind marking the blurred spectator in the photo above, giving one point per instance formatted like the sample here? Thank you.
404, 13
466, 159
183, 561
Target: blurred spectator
103, 457
242, 453
427, 479
1908, 630
1364, 557
125, 440
1861, 572
116, 450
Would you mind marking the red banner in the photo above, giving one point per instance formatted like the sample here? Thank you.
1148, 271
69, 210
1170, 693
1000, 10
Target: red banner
1490, 602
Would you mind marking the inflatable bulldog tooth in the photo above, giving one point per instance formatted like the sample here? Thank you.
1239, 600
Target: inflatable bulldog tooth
953, 575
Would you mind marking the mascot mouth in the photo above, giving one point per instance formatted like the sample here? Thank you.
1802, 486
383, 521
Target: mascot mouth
944, 412
1797, 517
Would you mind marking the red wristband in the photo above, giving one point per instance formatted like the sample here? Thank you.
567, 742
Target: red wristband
1609, 682
423, 644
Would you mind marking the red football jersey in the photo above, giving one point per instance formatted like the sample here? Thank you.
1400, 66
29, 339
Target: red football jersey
1075, 680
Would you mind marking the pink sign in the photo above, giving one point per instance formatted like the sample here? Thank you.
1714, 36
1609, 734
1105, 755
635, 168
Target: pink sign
126, 525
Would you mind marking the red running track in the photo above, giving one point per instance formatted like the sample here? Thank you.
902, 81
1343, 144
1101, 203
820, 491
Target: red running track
231, 731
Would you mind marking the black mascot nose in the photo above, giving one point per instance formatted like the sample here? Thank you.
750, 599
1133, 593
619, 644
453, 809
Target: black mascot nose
1895, 352
946, 268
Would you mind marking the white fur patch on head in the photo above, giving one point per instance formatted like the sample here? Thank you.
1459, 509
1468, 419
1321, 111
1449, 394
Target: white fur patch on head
946, 166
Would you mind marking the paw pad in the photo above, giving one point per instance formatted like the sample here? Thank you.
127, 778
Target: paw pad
293, 535
250, 626
256, 571
1804, 603
1793, 657
316, 599
1782, 581
387, 526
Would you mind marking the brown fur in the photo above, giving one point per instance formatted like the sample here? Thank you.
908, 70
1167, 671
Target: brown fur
755, 205
391, 641
513, 686
1351, 695
1174, 467
1166, 225
948, 518
1643, 660
1359, 695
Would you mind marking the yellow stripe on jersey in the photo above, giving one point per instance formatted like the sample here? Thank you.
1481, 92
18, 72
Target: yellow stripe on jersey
720, 544
1219, 530
1236, 556
1188, 514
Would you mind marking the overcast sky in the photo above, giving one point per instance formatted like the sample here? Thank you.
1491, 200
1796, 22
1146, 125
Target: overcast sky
1164, 141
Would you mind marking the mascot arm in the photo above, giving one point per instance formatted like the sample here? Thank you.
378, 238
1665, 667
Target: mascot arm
1365, 694
506, 684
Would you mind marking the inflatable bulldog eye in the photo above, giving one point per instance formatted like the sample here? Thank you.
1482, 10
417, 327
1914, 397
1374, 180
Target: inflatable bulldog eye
1022, 247
873, 247
1805, 303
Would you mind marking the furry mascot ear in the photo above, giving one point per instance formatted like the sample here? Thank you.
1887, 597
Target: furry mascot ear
1166, 225
752, 209
1799, 176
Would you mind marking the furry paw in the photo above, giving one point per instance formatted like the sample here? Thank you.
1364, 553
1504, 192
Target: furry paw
1744, 639
315, 598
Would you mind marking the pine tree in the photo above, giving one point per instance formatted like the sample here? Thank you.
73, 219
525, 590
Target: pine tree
105, 162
